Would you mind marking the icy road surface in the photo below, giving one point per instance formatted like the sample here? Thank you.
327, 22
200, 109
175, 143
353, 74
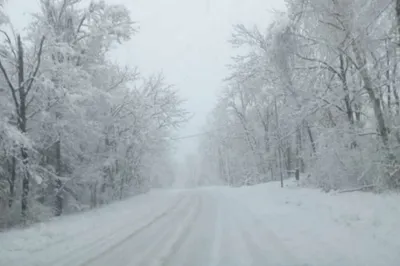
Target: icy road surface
261, 226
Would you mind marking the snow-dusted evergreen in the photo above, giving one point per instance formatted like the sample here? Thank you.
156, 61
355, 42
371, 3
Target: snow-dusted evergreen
316, 93
76, 129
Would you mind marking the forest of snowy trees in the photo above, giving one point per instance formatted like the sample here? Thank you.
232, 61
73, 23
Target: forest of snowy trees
315, 95
76, 129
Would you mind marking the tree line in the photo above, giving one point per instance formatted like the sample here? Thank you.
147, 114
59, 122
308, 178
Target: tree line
76, 129
315, 95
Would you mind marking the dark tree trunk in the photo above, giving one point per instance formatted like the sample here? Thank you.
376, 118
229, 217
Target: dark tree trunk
22, 127
298, 151
59, 198
19, 95
297, 175
358, 113
59, 187
289, 166
25, 183
12, 179
398, 17
310, 136
279, 143
347, 101
388, 78
94, 195
376, 103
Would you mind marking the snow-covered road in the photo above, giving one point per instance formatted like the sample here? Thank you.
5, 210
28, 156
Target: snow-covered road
262, 225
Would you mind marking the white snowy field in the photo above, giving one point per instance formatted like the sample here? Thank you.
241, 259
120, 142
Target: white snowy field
260, 225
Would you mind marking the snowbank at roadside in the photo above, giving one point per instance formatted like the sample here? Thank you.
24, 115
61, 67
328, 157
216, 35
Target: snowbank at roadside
66, 234
317, 228
357, 226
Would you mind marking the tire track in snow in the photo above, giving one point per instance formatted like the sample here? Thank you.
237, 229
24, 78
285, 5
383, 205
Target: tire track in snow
182, 236
105, 242
216, 245
269, 242
143, 246
196, 244
79, 233
233, 250
263, 245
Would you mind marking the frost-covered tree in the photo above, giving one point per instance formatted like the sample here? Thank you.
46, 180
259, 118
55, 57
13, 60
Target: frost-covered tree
76, 129
315, 93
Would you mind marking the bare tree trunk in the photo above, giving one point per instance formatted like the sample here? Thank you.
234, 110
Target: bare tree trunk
279, 143
22, 127
228, 170
93, 197
382, 129
221, 166
266, 134
394, 89
24, 86
398, 17
387, 73
121, 188
394, 71
25, 183
310, 136
289, 166
59, 188
349, 109
298, 149
12, 168
251, 141
357, 108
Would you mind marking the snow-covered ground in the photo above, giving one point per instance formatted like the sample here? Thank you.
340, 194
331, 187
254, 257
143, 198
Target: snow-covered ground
326, 229
260, 225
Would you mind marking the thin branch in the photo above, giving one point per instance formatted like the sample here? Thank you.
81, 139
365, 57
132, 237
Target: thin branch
366, 187
39, 57
48, 107
332, 25
81, 24
348, 57
9, 42
10, 85
337, 106
64, 6
117, 84
321, 62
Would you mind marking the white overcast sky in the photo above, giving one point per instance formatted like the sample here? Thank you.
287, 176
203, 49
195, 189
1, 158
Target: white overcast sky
186, 39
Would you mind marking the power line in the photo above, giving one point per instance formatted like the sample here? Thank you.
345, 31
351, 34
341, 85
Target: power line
315, 77
198, 134
191, 136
